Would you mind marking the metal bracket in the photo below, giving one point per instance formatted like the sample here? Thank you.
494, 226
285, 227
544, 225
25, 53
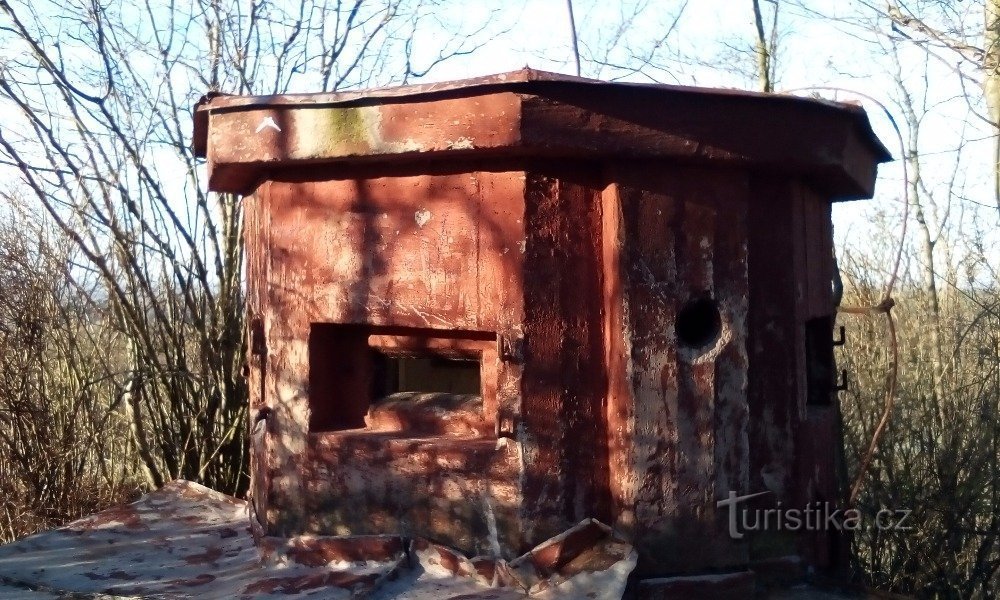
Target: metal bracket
505, 428
511, 349
842, 386
843, 337
263, 413
260, 421
258, 345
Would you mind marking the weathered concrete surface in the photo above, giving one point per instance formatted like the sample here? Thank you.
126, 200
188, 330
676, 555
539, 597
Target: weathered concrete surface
340, 270
183, 541
680, 414
459, 491
186, 541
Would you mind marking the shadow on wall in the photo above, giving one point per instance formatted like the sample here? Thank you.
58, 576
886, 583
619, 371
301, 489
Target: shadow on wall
363, 481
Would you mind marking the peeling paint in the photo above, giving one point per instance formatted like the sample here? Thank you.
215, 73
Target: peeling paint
421, 217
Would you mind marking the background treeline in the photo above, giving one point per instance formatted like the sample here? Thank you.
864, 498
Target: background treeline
121, 324
939, 455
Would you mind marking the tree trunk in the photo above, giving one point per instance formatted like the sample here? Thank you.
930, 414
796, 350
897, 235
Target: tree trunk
991, 82
573, 37
763, 50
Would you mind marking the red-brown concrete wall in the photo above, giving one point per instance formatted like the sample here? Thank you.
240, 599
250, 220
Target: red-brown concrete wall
416, 250
678, 416
580, 270
255, 267
443, 251
564, 382
794, 446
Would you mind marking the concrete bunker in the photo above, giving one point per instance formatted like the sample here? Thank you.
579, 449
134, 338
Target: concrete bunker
483, 311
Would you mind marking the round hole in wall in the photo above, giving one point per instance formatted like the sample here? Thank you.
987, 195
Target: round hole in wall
698, 323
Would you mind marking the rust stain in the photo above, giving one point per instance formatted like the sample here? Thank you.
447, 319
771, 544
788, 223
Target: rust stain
209, 556
302, 583
200, 580
124, 516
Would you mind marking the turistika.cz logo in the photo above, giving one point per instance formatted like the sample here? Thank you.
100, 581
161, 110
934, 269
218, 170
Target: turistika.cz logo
817, 516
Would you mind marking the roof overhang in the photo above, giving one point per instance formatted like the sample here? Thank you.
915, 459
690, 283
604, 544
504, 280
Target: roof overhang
536, 114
